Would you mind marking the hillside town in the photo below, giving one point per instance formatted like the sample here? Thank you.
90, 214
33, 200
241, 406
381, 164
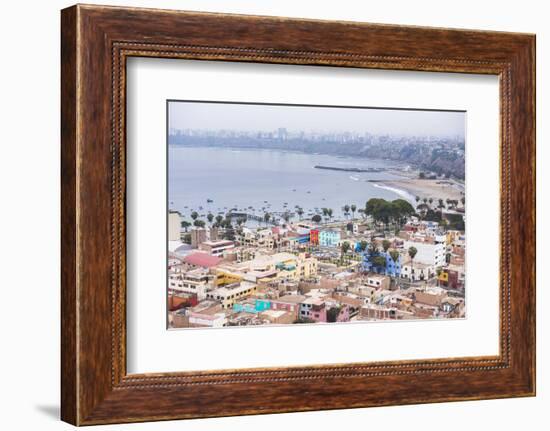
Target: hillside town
385, 260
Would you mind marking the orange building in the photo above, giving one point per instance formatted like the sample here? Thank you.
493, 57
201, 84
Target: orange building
314, 236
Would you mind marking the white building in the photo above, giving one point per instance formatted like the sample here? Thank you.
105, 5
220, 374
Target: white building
427, 253
217, 248
174, 226
196, 281
417, 271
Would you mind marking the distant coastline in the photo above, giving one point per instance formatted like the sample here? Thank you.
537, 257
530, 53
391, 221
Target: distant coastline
358, 170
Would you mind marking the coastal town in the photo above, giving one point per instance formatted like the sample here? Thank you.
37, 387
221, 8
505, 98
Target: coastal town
367, 261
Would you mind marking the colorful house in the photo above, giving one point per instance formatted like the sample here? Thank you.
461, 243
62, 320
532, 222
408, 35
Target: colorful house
258, 306
393, 268
329, 238
390, 268
314, 236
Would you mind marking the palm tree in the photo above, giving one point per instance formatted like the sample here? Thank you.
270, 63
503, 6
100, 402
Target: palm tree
210, 217
346, 210
425, 200
267, 217
329, 213
345, 248
286, 216
194, 215
441, 205
373, 249
417, 198
394, 254
198, 223
353, 209
219, 220
325, 213
430, 201
300, 212
412, 254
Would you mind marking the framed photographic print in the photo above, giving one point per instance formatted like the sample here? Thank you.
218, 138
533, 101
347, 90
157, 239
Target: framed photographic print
325, 214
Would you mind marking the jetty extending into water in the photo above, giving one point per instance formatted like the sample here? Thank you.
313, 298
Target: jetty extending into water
334, 168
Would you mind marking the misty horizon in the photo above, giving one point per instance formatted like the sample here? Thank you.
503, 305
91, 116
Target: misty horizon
263, 118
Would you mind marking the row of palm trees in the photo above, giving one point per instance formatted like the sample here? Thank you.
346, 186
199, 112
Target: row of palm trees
450, 203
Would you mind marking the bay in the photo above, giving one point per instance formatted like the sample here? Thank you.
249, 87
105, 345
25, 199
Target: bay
254, 181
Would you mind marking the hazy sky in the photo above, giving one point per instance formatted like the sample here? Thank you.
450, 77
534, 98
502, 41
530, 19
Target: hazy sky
204, 115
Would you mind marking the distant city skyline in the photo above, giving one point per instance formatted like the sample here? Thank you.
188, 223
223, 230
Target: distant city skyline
295, 118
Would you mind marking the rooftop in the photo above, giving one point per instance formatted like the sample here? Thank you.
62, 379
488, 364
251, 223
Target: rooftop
202, 259
219, 243
291, 299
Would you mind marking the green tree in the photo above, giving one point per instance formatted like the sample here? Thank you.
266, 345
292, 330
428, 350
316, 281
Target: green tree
394, 254
333, 313
346, 210
199, 223
401, 210
210, 217
345, 247
194, 215
379, 261
363, 245
386, 245
325, 213
412, 253
316, 218
229, 233
455, 221
353, 209
185, 224
219, 220
267, 217
286, 216
300, 212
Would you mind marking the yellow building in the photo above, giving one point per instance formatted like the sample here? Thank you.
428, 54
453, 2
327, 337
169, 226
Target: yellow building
229, 294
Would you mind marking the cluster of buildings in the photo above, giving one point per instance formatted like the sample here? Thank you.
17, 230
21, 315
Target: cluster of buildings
301, 272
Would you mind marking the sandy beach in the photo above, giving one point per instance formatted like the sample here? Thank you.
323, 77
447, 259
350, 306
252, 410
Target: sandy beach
435, 189
413, 186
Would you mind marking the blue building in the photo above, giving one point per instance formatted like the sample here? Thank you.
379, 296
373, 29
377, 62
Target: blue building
329, 238
391, 268
259, 306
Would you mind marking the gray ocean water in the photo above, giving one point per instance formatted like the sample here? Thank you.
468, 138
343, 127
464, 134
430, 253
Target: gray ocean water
259, 181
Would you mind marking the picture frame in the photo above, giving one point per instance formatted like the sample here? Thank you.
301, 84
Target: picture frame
96, 42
